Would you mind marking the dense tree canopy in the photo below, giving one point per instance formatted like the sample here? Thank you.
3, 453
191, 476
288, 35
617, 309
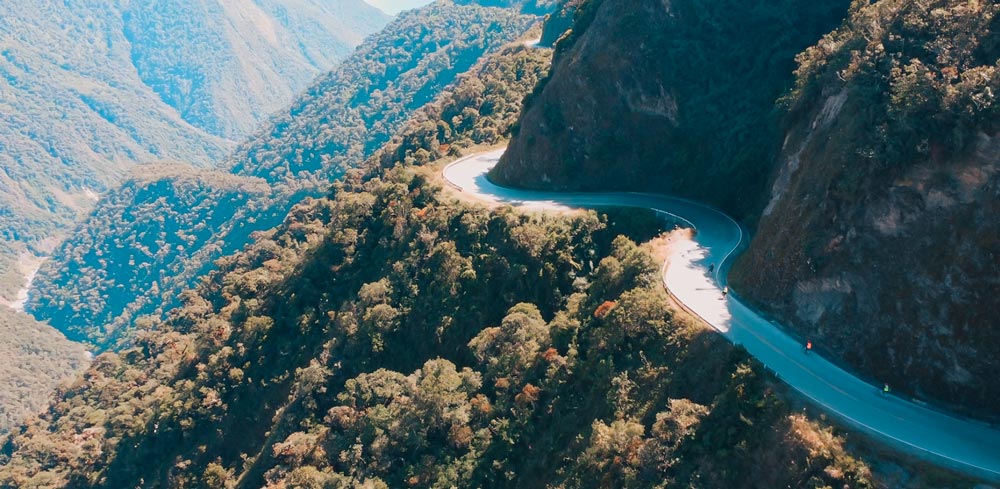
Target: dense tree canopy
34, 358
88, 89
136, 254
355, 344
390, 335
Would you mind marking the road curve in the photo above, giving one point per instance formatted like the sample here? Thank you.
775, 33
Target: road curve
966, 445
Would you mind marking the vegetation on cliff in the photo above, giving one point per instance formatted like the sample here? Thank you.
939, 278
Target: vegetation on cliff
880, 240
674, 97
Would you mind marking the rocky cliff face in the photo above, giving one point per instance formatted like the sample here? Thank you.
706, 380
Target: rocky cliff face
653, 95
874, 178
558, 22
881, 239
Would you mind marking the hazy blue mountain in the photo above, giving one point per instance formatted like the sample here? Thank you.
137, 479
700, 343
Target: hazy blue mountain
88, 88
151, 239
394, 7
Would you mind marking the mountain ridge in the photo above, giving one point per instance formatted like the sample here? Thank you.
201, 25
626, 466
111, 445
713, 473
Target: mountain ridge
388, 335
90, 88
331, 127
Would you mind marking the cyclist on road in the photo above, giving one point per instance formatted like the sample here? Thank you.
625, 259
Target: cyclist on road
885, 389
725, 291
809, 347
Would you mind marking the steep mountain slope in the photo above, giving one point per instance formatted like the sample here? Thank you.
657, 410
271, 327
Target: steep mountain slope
876, 176
881, 238
394, 7
34, 359
353, 110
88, 88
685, 90
158, 220
334, 125
225, 66
353, 346
479, 109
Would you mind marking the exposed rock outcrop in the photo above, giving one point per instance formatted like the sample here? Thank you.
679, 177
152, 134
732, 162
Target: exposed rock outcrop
881, 239
668, 96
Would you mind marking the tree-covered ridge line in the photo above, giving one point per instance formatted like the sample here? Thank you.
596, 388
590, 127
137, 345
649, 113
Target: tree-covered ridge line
88, 89
34, 359
185, 174
480, 109
389, 336
353, 110
309, 327
165, 216
332, 127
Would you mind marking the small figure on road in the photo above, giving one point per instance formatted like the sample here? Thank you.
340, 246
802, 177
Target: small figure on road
725, 291
711, 268
809, 346
885, 389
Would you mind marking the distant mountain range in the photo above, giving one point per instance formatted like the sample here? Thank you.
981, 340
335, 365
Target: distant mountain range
393, 7
154, 237
88, 89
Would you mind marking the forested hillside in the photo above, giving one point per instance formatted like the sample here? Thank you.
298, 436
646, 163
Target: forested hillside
881, 238
165, 216
226, 66
34, 359
389, 336
353, 110
89, 88
334, 125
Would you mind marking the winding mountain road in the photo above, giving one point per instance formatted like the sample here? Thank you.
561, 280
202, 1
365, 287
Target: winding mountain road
965, 445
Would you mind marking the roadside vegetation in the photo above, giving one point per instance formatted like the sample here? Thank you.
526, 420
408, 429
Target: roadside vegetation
390, 336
